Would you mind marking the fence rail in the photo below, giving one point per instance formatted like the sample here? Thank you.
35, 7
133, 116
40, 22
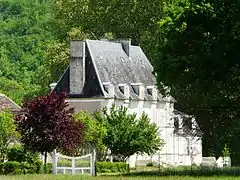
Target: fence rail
73, 167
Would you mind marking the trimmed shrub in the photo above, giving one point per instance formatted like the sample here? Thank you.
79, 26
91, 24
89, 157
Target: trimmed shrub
37, 166
112, 167
1, 168
19, 154
48, 168
12, 167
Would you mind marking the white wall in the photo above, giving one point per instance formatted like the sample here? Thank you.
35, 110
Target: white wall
177, 150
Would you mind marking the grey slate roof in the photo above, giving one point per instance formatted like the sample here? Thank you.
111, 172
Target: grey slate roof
112, 64
7, 103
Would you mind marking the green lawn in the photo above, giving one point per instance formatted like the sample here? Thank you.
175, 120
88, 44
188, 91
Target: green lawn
69, 177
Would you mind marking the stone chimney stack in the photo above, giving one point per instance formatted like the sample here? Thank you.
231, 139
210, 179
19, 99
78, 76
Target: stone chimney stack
77, 67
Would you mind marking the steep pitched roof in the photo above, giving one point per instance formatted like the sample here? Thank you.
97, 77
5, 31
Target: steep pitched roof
7, 103
112, 64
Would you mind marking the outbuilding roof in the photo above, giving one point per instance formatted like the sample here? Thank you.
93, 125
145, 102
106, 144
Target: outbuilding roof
7, 103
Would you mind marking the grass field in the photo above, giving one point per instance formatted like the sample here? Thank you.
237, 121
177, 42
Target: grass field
145, 173
62, 177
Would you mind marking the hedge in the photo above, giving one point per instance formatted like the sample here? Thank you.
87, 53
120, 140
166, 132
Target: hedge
112, 167
14, 167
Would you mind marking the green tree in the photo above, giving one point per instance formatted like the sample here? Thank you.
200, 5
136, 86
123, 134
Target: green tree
8, 133
94, 129
196, 57
24, 36
125, 18
127, 134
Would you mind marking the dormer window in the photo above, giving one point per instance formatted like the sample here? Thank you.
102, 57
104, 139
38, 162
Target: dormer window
105, 88
149, 91
135, 89
121, 88
176, 124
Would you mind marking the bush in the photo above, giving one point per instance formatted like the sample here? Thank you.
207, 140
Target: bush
112, 167
12, 167
19, 154
48, 168
1, 168
38, 165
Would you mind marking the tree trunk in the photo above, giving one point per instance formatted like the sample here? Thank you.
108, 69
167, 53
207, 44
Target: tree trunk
45, 163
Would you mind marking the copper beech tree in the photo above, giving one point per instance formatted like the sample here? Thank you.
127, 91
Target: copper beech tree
46, 123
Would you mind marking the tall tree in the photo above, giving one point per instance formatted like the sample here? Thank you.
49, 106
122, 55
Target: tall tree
46, 124
24, 35
196, 57
8, 133
125, 18
127, 134
94, 131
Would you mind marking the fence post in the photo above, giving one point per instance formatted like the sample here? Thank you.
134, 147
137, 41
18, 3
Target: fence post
93, 162
54, 162
73, 165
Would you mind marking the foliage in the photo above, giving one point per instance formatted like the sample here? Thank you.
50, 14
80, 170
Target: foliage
8, 133
19, 154
47, 124
127, 134
112, 167
196, 57
121, 18
84, 19
24, 35
225, 151
94, 130
48, 168
14, 167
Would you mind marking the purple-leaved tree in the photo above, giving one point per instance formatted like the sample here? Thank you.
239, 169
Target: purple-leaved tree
46, 123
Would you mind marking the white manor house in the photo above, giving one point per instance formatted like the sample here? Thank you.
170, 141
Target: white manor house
104, 72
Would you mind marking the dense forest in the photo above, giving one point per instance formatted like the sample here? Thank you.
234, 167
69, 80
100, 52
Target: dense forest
24, 37
192, 45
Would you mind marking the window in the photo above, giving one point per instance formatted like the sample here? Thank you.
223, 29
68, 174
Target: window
187, 124
176, 124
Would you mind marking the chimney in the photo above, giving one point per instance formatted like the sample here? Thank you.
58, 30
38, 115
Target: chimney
77, 67
139, 89
126, 45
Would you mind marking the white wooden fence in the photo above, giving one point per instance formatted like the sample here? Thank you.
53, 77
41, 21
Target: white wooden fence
73, 167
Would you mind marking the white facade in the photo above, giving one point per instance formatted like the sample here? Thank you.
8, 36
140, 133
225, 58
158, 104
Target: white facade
102, 73
177, 150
